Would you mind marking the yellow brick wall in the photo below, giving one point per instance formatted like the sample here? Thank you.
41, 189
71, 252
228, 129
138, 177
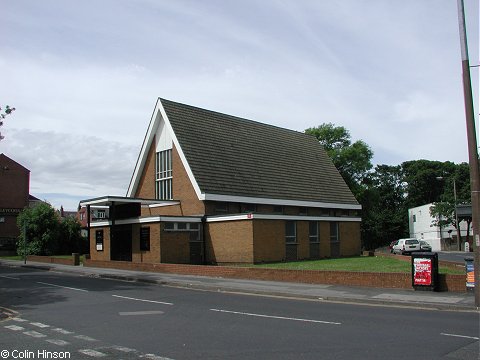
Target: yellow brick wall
303, 241
229, 242
175, 247
100, 255
152, 256
269, 240
146, 185
324, 234
350, 243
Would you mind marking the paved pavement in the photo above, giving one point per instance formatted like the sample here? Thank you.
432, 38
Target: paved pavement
348, 294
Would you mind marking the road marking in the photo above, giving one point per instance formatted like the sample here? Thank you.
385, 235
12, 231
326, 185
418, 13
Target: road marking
123, 349
461, 336
93, 353
64, 287
15, 327
58, 342
40, 325
85, 337
34, 334
18, 319
153, 357
276, 317
140, 313
62, 331
9, 277
150, 301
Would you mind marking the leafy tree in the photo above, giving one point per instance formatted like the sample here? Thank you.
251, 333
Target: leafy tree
457, 181
384, 216
3, 114
49, 234
422, 180
42, 230
353, 160
72, 241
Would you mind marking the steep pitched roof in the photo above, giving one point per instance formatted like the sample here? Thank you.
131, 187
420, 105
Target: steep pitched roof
232, 157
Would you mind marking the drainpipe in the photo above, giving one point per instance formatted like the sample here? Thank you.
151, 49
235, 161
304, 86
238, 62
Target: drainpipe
204, 241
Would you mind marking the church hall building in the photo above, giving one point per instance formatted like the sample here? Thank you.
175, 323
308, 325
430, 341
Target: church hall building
211, 188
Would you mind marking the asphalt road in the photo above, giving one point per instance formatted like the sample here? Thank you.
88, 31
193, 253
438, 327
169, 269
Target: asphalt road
88, 318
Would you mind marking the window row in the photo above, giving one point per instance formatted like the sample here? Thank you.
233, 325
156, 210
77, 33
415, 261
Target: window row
225, 207
313, 232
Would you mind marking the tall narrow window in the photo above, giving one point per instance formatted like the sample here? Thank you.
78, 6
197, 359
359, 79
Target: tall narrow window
334, 232
163, 175
145, 239
290, 232
313, 231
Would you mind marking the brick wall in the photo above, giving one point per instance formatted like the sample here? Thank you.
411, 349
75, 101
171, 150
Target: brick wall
303, 240
229, 242
51, 260
350, 238
146, 185
269, 240
100, 255
377, 280
151, 256
324, 237
183, 189
175, 247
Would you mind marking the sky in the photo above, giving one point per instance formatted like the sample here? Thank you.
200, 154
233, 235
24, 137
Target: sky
84, 77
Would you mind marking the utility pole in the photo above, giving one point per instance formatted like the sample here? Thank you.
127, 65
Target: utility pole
472, 147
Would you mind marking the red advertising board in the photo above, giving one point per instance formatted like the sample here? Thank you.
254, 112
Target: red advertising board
422, 271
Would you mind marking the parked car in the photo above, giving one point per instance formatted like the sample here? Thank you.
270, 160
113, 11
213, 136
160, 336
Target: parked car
406, 246
425, 246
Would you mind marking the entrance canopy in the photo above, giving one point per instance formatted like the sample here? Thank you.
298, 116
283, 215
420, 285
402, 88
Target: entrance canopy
120, 200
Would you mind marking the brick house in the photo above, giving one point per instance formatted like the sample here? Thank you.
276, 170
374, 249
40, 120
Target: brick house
14, 197
214, 188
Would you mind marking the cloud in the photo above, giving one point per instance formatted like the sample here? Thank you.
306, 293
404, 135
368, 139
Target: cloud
84, 77
77, 165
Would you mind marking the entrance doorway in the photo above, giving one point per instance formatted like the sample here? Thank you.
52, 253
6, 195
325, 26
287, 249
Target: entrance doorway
121, 243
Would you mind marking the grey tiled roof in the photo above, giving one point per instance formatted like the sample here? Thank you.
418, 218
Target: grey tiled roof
232, 156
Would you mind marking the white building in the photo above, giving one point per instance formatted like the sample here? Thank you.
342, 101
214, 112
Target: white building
420, 224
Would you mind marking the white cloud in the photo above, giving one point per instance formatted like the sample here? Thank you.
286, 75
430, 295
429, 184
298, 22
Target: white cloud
84, 77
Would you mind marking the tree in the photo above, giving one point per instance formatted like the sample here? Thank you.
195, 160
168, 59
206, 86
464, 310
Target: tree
353, 161
384, 216
455, 181
48, 233
41, 223
3, 114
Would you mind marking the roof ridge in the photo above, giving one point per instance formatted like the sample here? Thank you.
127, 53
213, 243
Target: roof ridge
235, 117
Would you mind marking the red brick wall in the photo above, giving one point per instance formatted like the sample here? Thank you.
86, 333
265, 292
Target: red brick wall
377, 280
50, 260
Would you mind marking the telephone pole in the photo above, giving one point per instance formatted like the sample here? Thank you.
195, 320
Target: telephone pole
472, 147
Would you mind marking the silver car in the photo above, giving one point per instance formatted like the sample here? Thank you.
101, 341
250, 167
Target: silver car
425, 246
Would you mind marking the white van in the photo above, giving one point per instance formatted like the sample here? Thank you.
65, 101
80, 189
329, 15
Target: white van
406, 246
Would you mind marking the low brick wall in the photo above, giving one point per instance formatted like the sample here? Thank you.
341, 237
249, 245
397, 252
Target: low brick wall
376, 280
51, 260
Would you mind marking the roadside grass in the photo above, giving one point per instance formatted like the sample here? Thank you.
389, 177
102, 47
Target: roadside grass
356, 264
19, 257
14, 257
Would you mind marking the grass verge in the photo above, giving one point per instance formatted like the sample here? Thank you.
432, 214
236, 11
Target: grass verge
358, 264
